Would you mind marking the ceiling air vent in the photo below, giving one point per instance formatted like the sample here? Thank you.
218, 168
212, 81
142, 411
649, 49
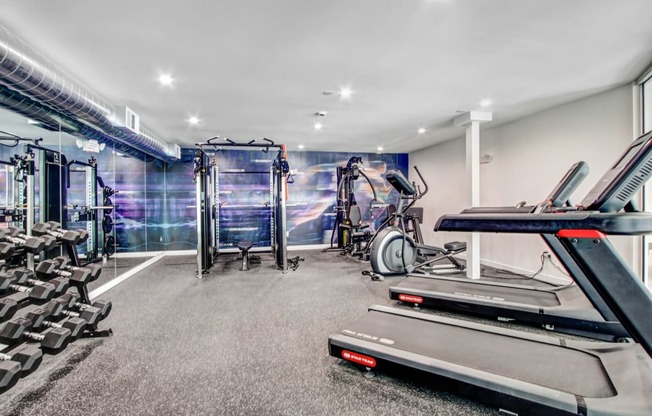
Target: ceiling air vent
132, 120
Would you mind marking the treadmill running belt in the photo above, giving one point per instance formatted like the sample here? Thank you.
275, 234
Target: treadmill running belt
499, 293
529, 361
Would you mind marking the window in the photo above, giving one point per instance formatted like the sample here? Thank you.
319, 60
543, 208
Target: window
646, 101
645, 83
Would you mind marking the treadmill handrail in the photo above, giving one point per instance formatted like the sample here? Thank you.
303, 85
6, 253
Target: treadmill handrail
635, 223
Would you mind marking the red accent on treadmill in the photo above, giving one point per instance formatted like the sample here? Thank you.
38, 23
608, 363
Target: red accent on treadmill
581, 234
410, 298
354, 357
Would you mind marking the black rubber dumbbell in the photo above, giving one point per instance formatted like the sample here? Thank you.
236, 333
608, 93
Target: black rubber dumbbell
8, 308
94, 269
39, 318
48, 269
32, 244
65, 236
7, 250
18, 330
25, 276
50, 242
41, 293
9, 375
83, 234
29, 357
103, 305
59, 307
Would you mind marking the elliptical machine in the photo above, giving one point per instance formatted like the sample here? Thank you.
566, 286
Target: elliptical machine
393, 251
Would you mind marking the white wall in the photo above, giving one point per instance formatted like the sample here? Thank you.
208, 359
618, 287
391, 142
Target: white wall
530, 157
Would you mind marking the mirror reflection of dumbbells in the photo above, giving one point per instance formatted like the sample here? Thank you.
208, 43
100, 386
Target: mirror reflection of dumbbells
17, 363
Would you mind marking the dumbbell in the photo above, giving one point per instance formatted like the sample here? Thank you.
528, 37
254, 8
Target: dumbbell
66, 236
103, 305
7, 250
26, 276
29, 358
94, 269
18, 364
59, 306
17, 330
9, 375
50, 242
32, 244
83, 234
40, 293
38, 317
48, 269
8, 308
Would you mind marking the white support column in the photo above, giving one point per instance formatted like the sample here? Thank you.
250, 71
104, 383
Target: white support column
471, 121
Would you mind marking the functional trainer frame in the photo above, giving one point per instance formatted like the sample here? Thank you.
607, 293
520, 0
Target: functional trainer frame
206, 177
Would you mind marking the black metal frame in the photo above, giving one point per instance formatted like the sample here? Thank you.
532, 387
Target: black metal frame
206, 212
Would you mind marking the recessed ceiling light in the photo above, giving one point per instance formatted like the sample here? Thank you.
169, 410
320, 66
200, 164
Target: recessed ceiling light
421, 130
485, 103
193, 120
346, 93
318, 126
166, 80
380, 148
301, 147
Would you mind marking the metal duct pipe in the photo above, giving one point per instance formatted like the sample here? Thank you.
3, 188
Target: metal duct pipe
54, 121
29, 73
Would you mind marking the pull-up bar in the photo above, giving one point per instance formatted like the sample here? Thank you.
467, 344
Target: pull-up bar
231, 143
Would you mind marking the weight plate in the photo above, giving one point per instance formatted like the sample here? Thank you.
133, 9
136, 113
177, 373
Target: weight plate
109, 245
108, 203
107, 224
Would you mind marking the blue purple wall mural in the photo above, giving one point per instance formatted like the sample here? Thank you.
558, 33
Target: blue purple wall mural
154, 205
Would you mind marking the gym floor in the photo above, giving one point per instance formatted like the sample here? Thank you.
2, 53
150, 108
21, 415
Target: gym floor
233, 343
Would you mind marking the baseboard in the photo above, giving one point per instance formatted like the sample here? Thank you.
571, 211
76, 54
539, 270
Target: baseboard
132, 254
180, 253
224, 250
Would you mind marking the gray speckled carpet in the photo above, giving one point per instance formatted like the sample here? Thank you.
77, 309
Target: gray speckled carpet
233, 343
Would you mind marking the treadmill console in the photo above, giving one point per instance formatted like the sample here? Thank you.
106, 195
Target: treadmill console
630, 172
569, 183
400, 182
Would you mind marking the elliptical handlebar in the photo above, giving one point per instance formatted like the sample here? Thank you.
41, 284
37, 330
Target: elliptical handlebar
420, 194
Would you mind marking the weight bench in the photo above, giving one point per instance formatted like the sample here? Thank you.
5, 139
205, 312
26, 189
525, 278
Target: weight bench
244, 246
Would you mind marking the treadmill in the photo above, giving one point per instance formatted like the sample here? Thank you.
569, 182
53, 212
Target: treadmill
561, 308
527, 373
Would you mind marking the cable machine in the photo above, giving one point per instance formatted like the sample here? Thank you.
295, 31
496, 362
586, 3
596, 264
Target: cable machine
54, 179
348, 222
206, 177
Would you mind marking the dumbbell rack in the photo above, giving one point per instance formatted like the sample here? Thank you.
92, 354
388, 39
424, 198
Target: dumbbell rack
36, 316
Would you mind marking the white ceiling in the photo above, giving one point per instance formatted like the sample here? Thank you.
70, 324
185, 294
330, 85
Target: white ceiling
257, 68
